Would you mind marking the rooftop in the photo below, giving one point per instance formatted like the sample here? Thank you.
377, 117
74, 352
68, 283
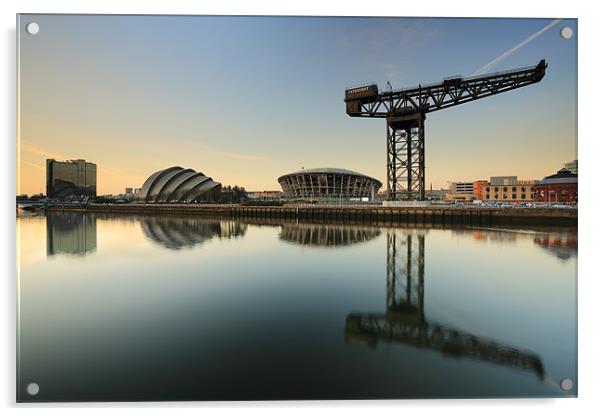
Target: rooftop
330, 171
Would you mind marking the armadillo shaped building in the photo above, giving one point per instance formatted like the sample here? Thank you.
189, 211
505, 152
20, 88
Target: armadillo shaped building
178, 185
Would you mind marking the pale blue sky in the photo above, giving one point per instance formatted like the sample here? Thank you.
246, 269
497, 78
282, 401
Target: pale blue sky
246, 100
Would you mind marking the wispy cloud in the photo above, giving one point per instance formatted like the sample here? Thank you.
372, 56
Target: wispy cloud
28, 147
487, 67
36, 150
35, 165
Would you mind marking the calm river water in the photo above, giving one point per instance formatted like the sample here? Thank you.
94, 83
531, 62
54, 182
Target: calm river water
166, 308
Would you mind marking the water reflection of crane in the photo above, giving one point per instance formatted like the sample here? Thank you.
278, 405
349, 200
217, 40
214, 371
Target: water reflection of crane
404, 321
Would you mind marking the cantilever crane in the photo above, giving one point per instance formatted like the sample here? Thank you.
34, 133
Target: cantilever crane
405, 111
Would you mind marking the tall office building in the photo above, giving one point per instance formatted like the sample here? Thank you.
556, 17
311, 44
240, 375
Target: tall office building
71, 178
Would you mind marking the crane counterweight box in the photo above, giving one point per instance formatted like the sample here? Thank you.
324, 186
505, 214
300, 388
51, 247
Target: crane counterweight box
358, 93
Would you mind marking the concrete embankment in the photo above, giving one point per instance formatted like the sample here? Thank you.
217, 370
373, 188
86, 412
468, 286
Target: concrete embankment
367, 214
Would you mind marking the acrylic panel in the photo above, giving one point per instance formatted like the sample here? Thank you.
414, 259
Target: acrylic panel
295, 208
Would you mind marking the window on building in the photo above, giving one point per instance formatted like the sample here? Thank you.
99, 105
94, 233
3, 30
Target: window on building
496, 189
505, 196
505, 189
523, 196
523, 189
487, 189
487, 196
497, 196
514, 189
513, 196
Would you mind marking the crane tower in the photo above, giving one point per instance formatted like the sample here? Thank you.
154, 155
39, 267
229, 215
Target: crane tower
405, 111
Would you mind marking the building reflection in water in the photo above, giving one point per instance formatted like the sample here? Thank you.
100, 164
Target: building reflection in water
563, 246
72, 233
326, 235
177, 233
404, 320
560, 243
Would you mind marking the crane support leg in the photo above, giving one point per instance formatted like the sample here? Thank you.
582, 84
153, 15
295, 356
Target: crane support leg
405, 158
405, 274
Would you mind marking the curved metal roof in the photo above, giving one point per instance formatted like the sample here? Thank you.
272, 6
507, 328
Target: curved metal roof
562, 176
176, 184
336, 171
152, 180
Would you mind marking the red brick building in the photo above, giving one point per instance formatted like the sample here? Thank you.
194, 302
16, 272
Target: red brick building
478, 188
558, 188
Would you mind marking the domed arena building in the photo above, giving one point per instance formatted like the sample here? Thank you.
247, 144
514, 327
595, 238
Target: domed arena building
558, 188
178, 185
329, 184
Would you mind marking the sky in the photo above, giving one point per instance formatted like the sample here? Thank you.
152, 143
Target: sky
248, 99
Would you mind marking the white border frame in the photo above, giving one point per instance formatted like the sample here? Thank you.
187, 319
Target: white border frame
589, 27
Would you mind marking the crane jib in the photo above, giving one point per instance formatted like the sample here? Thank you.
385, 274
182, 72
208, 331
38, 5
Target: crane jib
405, 112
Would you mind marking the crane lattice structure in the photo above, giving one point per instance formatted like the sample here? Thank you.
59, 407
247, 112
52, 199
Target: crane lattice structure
405, 111
404, 321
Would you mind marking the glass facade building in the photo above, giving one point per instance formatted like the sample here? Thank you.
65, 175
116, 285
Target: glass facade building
70, 179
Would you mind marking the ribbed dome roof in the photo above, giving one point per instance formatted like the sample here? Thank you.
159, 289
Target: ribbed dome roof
176, 184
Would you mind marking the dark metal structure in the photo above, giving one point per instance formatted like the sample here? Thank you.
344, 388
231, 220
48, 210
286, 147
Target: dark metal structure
405, 111
404, 321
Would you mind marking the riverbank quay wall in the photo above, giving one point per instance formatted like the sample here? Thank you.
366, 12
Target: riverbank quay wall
351, 214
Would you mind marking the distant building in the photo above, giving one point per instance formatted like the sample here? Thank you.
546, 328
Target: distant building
478, 189
558, 188
503, 180
70, 179
265, 195
497, 189
436, 195
459, 197
461, 188
571, 166
519, 191
131, 193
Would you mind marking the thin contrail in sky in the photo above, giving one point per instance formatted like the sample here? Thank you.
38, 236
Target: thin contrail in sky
509, 52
